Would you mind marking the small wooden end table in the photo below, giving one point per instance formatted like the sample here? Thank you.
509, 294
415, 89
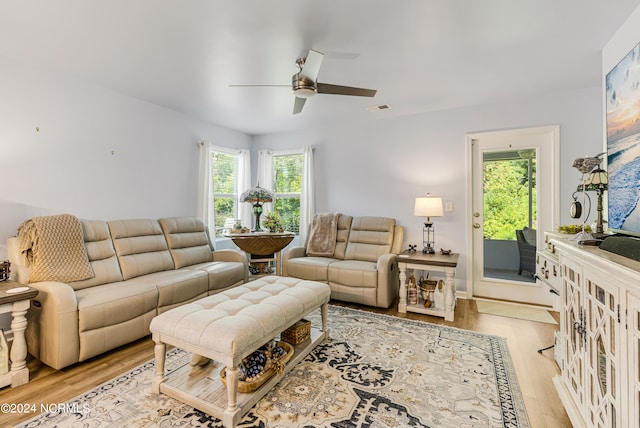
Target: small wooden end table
263, 246
408, 261
16, 298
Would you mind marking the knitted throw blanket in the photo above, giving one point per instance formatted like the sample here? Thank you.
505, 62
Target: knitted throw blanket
322, 237
54, 248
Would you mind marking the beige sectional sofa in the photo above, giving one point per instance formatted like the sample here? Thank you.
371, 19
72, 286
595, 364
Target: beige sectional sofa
362, 269
141, 268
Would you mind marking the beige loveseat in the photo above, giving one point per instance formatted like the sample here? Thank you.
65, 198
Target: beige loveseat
141, 268
362, 269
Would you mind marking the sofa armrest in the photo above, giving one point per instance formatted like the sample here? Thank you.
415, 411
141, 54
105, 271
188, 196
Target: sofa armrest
291, 253
388, 282
232, 255
52, 329
398, 239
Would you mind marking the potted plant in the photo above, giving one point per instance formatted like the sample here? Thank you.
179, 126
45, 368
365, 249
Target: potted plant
272, 222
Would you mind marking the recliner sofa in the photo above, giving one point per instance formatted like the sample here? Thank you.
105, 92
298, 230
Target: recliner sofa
141, 268
363, 267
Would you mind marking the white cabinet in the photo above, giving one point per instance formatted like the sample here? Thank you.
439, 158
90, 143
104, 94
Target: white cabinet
599, 383
633, 351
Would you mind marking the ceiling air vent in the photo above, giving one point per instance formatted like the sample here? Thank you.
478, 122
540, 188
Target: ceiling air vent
380, 107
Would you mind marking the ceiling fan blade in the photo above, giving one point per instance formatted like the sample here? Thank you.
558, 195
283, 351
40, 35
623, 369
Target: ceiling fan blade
312, 64
297, 106
253, 86
325, 88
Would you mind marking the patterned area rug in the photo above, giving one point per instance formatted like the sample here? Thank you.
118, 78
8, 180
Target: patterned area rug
376, 371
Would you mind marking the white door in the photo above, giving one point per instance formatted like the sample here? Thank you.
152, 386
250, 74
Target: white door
495, 256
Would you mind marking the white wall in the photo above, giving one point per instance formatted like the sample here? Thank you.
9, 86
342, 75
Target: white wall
68, 166
379, 167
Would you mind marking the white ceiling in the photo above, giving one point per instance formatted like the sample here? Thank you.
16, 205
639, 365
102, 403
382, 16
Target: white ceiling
421, 55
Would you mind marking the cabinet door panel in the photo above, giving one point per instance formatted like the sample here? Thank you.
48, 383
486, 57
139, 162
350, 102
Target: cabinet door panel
571, 326
633, 349
602, 353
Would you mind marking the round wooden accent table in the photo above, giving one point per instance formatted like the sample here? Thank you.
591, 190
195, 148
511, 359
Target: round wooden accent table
263, 246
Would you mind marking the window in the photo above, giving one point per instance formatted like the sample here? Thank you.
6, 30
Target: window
287, 179
224, 171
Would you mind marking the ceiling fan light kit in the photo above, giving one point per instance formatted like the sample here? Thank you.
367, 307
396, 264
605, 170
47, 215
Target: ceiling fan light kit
302, 86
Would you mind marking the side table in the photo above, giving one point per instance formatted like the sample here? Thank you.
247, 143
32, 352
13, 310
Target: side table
15, 298
265, 246
446, 263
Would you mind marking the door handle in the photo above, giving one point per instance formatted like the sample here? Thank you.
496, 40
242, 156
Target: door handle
476, 225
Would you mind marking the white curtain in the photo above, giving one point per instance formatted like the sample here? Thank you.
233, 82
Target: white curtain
265, 174
244, 182
205, 194
307, 199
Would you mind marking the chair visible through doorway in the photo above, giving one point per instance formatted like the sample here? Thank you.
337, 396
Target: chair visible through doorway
526, 238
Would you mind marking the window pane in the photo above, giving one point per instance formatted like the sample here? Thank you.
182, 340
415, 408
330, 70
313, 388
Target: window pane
289, 210
224, 189
224, 173
509, 195
224, 208
288, 173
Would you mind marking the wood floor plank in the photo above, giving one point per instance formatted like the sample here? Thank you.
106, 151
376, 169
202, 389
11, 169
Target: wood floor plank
524, 338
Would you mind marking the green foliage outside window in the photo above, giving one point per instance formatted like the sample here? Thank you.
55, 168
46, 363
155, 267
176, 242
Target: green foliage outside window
288, 185
224, 188
506, 198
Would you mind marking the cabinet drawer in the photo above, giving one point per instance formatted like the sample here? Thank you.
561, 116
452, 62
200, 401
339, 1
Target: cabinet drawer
548, 245
548, 269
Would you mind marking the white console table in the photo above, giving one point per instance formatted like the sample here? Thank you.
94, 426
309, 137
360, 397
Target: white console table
16, 303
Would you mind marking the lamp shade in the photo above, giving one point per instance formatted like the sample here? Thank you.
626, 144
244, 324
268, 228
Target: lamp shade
257, 195
597, 180
428, 206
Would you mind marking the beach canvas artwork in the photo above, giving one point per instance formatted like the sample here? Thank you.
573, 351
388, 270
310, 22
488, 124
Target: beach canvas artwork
623, 143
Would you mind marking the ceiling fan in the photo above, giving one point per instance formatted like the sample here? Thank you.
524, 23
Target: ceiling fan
305, 85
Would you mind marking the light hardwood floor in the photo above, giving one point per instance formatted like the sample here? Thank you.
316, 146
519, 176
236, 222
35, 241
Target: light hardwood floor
534, 370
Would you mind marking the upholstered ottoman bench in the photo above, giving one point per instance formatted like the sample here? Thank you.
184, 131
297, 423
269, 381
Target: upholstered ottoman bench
227, 327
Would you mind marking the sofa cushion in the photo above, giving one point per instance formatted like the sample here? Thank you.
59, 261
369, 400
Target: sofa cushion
177, 287
187, 240
141, 247
222, 275
370, 237
115, 303
354, 273
102, 255
342, 236
310, 268
112, 315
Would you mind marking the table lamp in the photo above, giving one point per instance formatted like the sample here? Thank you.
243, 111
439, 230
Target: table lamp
598, 181
428, 206
257, 196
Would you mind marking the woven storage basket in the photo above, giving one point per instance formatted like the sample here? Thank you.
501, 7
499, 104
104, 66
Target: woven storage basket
428, 286
251, 386
297, 333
